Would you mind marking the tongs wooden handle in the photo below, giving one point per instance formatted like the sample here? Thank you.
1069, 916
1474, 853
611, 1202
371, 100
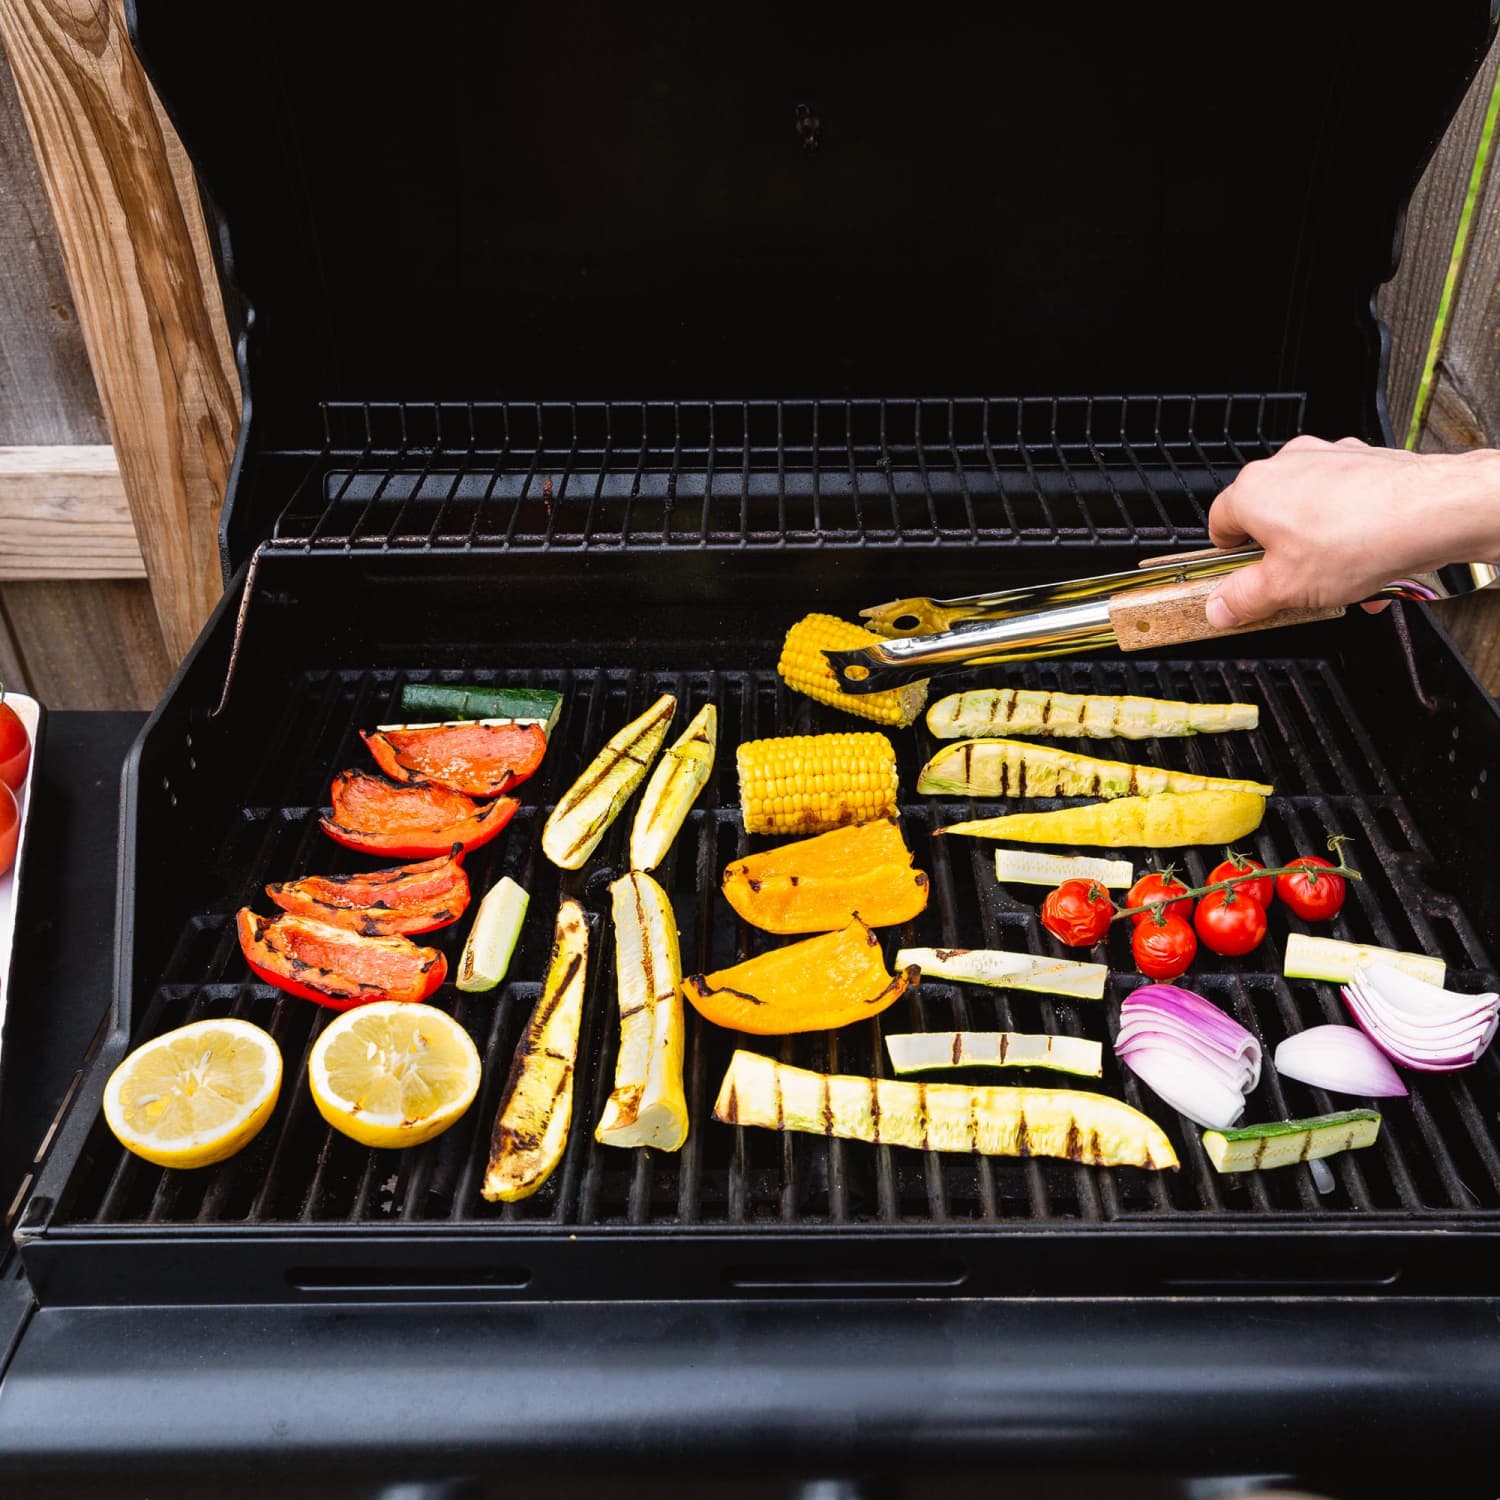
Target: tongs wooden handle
1174, 615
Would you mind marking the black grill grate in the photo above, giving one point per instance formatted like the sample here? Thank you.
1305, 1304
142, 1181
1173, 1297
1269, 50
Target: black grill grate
1436, 1155
769, 473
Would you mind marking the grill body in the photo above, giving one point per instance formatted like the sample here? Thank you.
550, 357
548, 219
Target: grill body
777, 228
396, 569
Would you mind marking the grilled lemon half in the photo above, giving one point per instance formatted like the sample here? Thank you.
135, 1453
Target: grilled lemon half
392, 1074
196, 1095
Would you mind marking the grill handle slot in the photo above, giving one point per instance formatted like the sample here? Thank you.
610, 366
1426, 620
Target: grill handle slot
862, 1278
386, 1281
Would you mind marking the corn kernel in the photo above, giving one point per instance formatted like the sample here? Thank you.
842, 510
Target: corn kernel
806, 670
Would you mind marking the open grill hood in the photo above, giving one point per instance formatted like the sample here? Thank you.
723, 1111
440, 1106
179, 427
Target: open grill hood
580, 201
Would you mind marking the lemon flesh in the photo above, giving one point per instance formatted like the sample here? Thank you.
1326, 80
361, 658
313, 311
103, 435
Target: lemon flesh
393, 1074
196, 1095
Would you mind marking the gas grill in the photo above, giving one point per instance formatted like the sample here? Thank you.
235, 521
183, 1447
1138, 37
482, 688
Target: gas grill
505, 518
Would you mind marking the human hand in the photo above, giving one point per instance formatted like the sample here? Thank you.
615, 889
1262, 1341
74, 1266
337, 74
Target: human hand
1340, 520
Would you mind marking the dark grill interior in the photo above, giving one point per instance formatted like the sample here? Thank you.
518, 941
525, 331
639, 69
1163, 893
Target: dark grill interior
1436, 1155
765, 473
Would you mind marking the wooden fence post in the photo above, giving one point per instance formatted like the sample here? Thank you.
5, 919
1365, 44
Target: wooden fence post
135, 247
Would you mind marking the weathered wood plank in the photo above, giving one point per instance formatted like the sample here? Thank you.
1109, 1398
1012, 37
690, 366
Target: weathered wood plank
133, 242
1408, 303
63, 514
47, 390
88, 645
12, 668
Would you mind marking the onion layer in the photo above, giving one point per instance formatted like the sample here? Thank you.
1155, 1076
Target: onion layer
1341, 1059
1199, 1060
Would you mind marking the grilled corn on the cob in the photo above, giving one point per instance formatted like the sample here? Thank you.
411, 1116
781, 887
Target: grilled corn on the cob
809, 783
993, 711
806, 670
647, 1107
536, 1109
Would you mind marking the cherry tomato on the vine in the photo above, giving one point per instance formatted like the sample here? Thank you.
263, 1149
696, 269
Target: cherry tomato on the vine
1312, 894
1158, 886
1164, 949
1263, 891
1078, 912
1230, 922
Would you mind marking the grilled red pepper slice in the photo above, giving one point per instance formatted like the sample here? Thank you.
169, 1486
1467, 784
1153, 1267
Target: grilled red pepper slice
402, 899
410, 822
334, 967
479, 759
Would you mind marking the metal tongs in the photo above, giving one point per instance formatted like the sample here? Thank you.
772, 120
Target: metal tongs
1156, 605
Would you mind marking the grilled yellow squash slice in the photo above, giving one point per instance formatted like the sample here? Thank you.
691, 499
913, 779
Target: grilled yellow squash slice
1165, 822
585, 811
680, 775
647, 1107
1073, 715
990, 1121
1014, 768
536, 1110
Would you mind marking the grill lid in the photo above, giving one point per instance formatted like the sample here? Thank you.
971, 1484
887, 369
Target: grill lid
581, 200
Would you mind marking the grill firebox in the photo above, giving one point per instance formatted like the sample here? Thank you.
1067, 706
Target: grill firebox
327, 642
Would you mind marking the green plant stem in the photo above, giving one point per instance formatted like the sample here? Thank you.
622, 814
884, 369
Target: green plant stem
1194, 892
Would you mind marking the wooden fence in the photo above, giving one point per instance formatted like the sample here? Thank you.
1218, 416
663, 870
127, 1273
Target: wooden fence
118, 406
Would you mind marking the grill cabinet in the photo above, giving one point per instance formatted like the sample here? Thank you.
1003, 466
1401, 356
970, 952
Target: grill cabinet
762, 230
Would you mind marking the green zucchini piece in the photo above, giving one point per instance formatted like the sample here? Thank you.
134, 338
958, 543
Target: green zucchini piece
1335, 961
1031, 867
949, 1051
492, 938
1009, 971
1283, 1143
450, 703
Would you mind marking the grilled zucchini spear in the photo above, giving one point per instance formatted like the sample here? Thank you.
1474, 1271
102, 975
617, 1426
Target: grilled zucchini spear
1071, 715
1013, 768
680, 775
593, 802
989, 1121
536, 1110
647, 1107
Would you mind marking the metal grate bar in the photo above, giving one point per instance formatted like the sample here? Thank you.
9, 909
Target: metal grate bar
544, 475
1437, 1154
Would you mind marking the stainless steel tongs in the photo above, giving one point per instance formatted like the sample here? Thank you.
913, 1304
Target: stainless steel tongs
1156, 605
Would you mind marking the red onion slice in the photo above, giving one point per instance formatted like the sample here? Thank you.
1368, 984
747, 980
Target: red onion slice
1190, 1088
1418, 1025
1199, 1060
1341, 1059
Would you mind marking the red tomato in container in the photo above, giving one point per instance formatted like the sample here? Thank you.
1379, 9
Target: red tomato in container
15, 746
1163, 950
1078, 912
1314, 896
10, 828
1262, 891
1158, 886
1230, 923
